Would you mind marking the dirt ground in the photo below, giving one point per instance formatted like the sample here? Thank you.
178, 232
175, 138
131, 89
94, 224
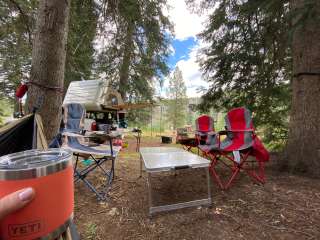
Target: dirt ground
286, 207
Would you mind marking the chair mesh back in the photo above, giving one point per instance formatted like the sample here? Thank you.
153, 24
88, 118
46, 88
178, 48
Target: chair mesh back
204, 123
74, 115
239, 119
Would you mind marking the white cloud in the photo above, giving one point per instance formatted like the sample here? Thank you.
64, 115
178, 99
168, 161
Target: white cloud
186, 24
191, 74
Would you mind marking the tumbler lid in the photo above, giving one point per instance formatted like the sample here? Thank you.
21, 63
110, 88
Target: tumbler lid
34, 163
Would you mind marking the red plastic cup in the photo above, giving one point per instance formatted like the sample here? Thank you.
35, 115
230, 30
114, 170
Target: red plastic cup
50, 174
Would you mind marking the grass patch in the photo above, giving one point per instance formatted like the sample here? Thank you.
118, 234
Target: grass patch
91, 231
5, 110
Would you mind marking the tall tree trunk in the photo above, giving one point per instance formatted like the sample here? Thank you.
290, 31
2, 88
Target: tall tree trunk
125, 66
48, 62
303, 149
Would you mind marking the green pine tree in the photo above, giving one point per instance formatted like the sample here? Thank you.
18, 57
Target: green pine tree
16, 27
16, 33
80, 49
256, 51
177, 103
247, 61
138, 46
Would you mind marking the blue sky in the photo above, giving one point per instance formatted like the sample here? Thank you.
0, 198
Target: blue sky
186, 45
182, 49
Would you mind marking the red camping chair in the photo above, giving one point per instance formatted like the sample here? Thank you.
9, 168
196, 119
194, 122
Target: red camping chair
204, 127
240, 142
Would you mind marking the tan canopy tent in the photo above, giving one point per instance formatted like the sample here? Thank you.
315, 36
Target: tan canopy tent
94, 95
97, 95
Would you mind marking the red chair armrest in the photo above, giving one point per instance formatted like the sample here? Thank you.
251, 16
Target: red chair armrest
224, 132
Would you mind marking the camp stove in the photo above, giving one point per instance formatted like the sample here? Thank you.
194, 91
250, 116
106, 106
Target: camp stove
50, 174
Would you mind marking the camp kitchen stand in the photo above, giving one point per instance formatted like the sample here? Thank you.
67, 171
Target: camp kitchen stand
165, 159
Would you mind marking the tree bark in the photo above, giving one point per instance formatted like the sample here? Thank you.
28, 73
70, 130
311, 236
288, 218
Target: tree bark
302, 153
126, 61
48, 62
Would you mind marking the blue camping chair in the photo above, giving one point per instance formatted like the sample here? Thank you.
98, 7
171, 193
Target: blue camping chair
75, 139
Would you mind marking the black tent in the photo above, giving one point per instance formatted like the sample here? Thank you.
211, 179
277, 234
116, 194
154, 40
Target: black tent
22, 134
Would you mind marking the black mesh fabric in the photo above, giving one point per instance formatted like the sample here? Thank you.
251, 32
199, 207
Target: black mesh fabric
17, 136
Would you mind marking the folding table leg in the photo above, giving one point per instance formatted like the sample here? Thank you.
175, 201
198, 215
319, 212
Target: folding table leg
140, 166
169, 207
209, 185
138, 143
149, 185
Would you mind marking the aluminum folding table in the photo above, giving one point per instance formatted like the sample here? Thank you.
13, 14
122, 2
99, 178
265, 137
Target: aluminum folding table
164, 159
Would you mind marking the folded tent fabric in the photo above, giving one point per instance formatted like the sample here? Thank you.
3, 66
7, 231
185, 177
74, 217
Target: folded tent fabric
22, 134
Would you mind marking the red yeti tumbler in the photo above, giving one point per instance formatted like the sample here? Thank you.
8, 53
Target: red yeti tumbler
50, 174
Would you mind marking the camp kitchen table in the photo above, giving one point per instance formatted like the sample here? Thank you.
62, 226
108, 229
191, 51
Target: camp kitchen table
164, 159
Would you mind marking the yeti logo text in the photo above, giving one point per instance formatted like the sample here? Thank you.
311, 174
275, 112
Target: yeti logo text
19, 230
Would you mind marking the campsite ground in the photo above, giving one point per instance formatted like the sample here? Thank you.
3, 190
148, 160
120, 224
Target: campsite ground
286, 207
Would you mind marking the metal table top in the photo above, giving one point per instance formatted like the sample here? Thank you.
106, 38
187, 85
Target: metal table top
160, 150
158, 159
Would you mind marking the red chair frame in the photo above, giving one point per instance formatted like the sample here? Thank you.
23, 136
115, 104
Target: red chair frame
254, 168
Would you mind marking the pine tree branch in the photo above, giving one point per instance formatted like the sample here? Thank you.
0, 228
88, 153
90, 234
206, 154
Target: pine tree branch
25, 18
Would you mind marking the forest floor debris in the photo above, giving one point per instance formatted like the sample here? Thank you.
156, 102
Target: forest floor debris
286, 207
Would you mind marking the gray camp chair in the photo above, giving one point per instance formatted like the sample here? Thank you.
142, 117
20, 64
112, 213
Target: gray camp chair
77, 142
